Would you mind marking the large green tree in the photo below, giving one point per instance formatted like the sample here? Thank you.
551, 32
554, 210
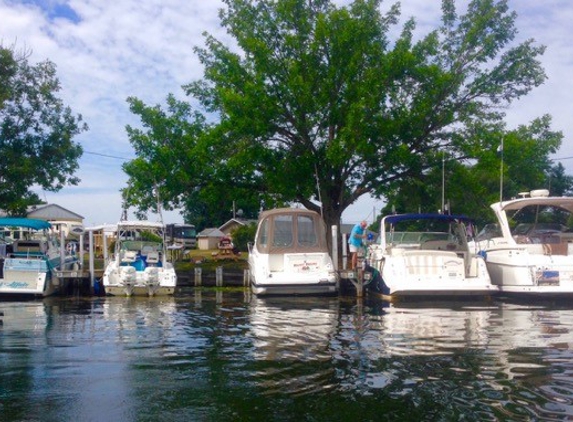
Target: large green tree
36, 132
322, 94
315, 103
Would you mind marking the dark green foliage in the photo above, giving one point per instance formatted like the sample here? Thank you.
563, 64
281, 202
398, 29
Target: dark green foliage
243, 235
36, 133
319, 106
178, 165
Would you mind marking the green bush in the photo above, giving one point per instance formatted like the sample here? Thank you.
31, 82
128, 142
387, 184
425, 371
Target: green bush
243, 235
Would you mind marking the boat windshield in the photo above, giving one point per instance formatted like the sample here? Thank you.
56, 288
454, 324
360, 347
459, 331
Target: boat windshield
140, 246
420, 231
540, 224
488, 232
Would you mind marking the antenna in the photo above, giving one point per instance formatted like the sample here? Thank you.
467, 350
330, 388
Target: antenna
443, 178
159, 212
318, 189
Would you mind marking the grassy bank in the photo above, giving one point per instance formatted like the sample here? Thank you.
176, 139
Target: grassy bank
208, 260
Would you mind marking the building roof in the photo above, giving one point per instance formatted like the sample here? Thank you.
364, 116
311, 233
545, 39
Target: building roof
237, 221
211, 232
52, 212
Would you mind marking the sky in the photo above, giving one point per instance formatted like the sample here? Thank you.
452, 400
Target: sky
106, 51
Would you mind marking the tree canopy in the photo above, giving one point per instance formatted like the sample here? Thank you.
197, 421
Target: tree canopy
36, 132
469, 188
317, 104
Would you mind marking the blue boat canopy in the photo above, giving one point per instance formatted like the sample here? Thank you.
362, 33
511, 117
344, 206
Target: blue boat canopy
29, 223
393, 219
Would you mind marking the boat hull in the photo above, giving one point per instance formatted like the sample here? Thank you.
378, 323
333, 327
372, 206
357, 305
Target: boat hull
31, 277
521, 272
290, 279
119, 290
432, 274
319, 286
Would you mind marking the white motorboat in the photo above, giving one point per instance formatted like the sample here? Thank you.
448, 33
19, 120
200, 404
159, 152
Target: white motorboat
290, 254
532, 252
32, 263
427, 255
139, 264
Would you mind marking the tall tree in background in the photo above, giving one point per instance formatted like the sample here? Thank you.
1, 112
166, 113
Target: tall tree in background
322, 106
316, 104
36, 132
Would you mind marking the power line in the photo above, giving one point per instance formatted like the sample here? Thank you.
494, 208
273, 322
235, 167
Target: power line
107, 155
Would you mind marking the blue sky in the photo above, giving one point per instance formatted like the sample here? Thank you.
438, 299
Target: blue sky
107, 51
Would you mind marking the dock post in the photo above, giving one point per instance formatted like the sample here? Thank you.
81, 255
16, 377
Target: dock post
219, 276
360, 286
62, 250
344, 252
245, 278
198, 280
104, 245
81, 251
91, 260
334, 230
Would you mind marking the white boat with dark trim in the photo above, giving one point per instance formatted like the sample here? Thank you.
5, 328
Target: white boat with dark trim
427, 255
532, 251
139, 264
32, 263
290, 254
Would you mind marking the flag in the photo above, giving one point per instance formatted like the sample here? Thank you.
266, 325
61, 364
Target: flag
500, 148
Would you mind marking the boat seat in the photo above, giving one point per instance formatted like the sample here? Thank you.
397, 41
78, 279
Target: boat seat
129, 256
147, 249
26, 246
152, 257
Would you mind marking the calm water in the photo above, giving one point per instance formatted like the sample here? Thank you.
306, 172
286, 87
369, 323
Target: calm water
232, 357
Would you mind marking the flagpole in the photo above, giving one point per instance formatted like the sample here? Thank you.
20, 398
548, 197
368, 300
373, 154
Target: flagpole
501, 172
443, 180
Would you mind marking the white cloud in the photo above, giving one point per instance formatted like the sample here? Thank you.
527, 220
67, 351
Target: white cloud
144, 48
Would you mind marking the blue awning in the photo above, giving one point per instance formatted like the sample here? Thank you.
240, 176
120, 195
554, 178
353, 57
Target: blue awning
29, 223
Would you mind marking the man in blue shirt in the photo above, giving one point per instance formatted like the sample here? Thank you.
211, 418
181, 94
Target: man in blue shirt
355, 242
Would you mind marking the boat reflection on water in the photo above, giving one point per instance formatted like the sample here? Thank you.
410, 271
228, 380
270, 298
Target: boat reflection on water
134, 311
535, 342
433, 327
231, 356
288, 338
23, 316
287, 329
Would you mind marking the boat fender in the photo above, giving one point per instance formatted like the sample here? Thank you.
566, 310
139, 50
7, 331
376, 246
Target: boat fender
483, 254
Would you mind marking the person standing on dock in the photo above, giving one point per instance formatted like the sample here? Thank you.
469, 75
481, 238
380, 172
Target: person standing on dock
355, 242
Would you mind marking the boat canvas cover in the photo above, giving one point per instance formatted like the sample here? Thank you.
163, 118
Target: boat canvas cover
393, 219
29, 223
291, 230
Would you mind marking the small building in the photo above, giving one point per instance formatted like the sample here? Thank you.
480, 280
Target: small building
233, 224
62, 219
209, 238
